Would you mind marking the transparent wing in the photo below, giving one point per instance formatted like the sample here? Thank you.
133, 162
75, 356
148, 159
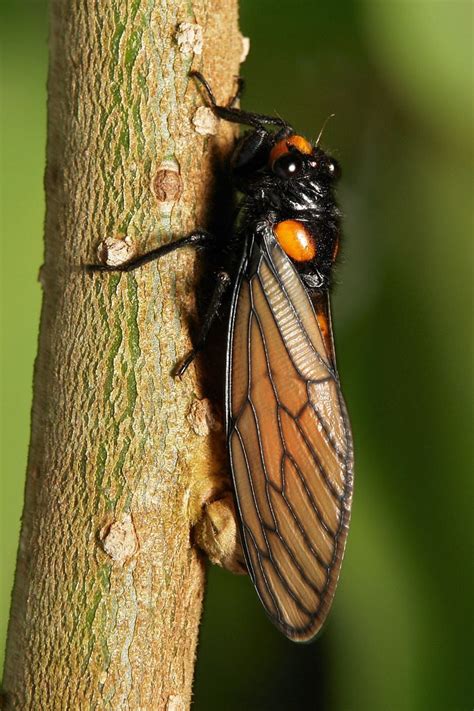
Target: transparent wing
289, 441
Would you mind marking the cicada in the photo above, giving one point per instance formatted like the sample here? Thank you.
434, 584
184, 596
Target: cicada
288, 432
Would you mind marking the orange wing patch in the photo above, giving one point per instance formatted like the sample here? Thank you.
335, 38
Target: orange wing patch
290, 446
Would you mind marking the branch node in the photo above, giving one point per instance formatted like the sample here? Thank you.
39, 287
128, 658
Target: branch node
119, 539
217, 534
245, 48
175, 703
167, 184
203, 418
205, 122
115, 251
189, 38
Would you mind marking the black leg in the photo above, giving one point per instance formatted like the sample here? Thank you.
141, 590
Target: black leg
249, 119
223, 283
199, 238
238, 92
237, 115
248, 148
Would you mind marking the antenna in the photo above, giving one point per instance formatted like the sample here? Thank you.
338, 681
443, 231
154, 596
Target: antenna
323, 127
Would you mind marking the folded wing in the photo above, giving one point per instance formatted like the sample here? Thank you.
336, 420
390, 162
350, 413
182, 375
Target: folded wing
289, 441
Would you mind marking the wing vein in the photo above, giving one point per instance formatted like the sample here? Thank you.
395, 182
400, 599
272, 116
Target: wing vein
269, 588
282, 406
254, 314
285, 449
341, 456
269, 263
338, 497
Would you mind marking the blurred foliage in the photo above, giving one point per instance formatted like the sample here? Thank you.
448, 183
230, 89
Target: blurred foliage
398, 76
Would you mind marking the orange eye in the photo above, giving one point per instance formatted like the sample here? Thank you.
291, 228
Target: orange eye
281, 147
295, 240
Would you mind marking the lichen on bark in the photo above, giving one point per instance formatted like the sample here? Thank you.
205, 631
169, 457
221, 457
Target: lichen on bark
112, 450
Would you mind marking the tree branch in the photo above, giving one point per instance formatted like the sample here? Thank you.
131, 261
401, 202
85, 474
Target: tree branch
108, 589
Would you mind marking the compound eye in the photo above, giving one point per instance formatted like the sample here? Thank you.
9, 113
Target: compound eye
288, 166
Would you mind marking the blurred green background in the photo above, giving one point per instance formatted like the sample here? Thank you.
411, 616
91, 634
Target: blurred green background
398, 76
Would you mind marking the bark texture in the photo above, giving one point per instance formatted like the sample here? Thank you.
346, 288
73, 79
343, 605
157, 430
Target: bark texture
108, 590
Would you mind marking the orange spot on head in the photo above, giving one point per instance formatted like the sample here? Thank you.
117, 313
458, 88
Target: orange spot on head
295, 240
282, 147
335, 251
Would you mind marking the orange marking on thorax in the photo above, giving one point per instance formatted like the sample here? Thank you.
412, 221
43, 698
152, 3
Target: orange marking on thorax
323, 324
281, 147
295, 240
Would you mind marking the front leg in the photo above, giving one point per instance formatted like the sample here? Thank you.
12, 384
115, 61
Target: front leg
198, 238
223, 282
229, 113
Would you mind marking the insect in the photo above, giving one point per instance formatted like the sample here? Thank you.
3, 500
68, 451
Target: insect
289, 437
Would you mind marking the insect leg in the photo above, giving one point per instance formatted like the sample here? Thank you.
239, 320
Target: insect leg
198, 238
228, 113
223, 283
238, 92
251, 152
249, 119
